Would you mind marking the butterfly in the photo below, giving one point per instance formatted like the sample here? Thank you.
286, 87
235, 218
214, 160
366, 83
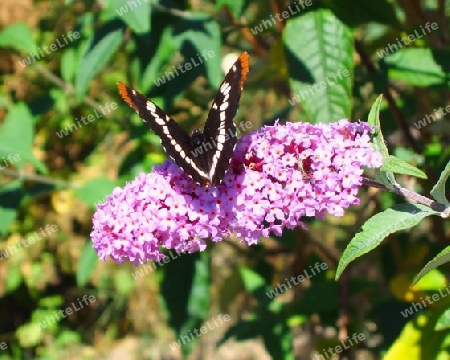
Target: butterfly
204, 156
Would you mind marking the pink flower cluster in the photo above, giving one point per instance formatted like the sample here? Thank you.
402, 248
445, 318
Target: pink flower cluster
277, 175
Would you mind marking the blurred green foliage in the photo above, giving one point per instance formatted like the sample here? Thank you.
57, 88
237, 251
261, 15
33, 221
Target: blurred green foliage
67, 139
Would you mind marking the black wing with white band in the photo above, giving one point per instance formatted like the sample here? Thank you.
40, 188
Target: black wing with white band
219, 127
206, 156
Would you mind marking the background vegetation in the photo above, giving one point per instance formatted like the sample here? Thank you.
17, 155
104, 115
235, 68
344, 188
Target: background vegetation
59, 179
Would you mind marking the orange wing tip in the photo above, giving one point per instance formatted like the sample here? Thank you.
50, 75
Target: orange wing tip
244, 59
124, 92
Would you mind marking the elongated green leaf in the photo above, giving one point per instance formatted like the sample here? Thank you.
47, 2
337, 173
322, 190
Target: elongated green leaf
374, 120
69, 65
433, 280
419, 67
399, 166
200, 38
199, 298
438, 191
153, 76
385, 177
418, 339
439, 259
135, 14
176, 288
94, 191
16, 139
180, 287
97, 56
10, 196
320, 64
86, 265
378, 227
443, 322
17, 36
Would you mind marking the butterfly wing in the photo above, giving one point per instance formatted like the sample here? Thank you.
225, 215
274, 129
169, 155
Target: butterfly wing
175, 141
220, 129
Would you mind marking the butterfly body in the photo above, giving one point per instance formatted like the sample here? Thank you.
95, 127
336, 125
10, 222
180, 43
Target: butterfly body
204, 156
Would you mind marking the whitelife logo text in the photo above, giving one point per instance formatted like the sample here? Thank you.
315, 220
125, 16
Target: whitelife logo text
10, 250
297, 279
210, 325
193, 62
406, 40
63, 313
90, 118
39, 54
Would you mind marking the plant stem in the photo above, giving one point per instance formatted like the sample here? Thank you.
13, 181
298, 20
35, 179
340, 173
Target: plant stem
35, 177
410, 195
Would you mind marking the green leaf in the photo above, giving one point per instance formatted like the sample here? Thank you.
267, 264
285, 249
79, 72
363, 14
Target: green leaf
186, 279
16, 139
443, 322
29, 334
10, 196
94, 191
378, 227
17, 36
362, 12
14, 279
136, 17
69, 62
395, 165
252, 280
374, 120
419, 340
320, 64
97, 56
385, 177
433, 280
176, 288
438, 191
419, 67
124, 283
199, 299
68, 338
439, 259
164, 52
86, 265
391, 164
199, 37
